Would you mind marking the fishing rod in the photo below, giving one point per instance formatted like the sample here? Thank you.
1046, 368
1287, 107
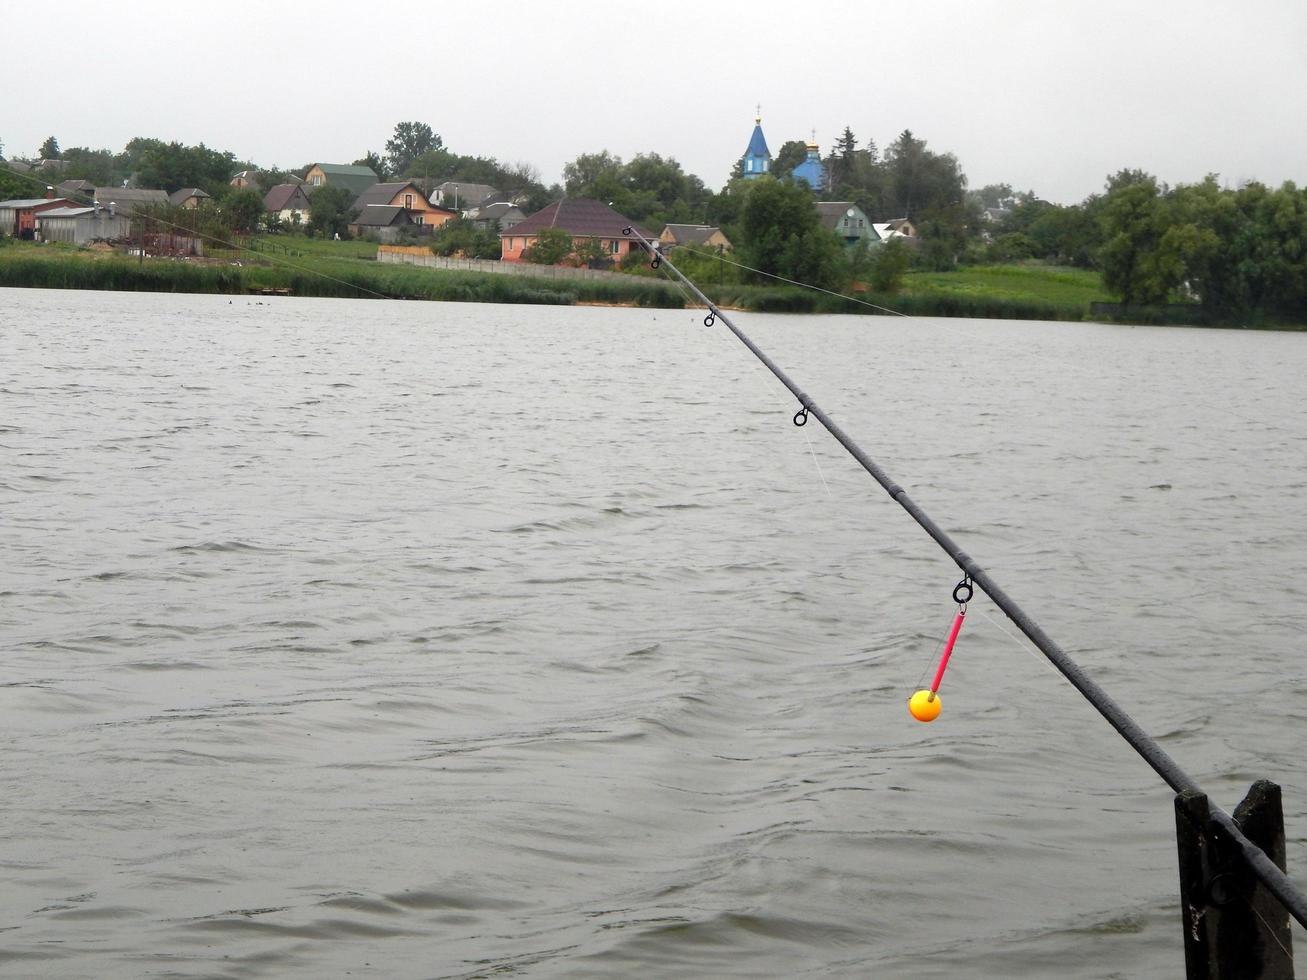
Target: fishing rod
1275, 880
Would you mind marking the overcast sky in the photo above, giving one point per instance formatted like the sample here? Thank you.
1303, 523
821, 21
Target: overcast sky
1048, 96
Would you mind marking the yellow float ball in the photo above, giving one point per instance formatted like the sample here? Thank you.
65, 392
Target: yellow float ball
924, 706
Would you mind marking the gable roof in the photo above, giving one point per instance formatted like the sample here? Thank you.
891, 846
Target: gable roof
67, 212
832, 213
690, 234
177, 197
385, 193
356, 179
279, 198
129, 197
18, 204
578, 216
382, 216
495, 211
82, 187
469, 195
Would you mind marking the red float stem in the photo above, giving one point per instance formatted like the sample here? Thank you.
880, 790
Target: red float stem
948, 650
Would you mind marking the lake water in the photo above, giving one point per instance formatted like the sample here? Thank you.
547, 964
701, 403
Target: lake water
424, 640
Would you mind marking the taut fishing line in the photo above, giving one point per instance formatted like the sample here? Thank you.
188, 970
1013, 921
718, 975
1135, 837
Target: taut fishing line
1275, 880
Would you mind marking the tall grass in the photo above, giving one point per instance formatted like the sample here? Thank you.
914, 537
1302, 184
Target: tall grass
312, 276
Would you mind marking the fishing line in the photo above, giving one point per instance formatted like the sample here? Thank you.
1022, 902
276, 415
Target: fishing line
817, 464
805, 285
1276, 881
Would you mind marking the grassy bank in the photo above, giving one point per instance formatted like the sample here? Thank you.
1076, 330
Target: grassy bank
313, 267
308, 274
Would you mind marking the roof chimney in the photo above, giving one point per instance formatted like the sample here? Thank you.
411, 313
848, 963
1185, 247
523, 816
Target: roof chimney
49, 193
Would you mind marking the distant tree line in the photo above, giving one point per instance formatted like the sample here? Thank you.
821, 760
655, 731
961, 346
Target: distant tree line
1238, 252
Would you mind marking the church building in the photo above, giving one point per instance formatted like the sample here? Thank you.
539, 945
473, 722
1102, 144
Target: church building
757, 158
812, 171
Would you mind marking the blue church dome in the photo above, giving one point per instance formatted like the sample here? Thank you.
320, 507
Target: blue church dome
812, 171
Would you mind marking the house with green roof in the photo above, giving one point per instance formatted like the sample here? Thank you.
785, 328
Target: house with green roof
354, 179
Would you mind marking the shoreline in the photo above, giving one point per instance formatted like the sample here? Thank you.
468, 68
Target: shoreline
24, 266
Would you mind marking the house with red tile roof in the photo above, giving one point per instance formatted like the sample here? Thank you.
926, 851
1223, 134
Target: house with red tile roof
581, 218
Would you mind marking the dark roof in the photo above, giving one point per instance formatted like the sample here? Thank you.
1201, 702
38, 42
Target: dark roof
177, 197
469, 195
83, 187
382, 216
832, 212
66, 212
577, 216
495, 210
128, 198
385, 193
30, 202
356, 179
691, 234
279, 197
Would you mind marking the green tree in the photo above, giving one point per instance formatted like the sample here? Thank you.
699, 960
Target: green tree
411, 140
596, 175
460, 237
790, 155
330, 212
551, 246
1149, 248
173, 166
889, 263
376, 162
97, 166
49, 149
591, 254
918, 180
781, 235
245, 209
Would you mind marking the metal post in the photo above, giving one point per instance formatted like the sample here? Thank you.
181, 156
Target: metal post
1234, 928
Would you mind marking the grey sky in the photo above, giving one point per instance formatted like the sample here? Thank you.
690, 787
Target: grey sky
1049, 96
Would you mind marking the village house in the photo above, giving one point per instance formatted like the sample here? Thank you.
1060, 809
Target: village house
460, 195
82, 225
354, 179
705, 236
381, 222
127, 200
895, 228
82, 191
246, 180
18, 217
189, 198
289, 202
578, 216
495, 216
407, 195
848, 221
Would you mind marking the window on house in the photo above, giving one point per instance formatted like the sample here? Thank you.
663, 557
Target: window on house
616, 245
408, 200
417, 219
316, 180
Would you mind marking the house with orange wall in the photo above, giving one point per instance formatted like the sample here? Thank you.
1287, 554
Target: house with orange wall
580, 217
407, 195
